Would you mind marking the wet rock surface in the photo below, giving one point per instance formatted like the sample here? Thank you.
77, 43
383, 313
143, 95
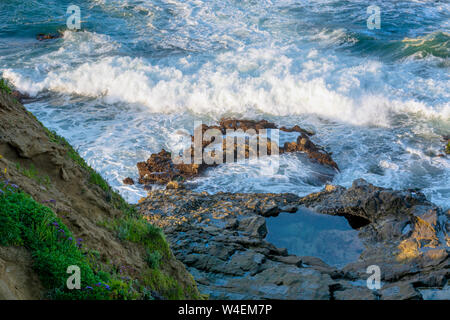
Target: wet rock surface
49, 36
128, 181
222, 240
160, 168
405, 235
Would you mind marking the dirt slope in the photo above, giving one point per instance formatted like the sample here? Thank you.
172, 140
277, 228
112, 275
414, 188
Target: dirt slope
49, 170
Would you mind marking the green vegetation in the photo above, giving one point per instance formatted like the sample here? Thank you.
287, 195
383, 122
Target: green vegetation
25, 222
153, 259
164, 284
98, 180
4, 86
32, 173
152, 238
447, 148
140, 231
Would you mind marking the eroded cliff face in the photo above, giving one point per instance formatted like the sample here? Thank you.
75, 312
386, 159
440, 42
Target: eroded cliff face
44, 166
18, 281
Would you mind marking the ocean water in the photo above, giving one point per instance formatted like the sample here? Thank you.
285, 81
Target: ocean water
140, 72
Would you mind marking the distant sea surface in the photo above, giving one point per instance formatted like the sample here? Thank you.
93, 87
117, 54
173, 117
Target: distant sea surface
140, 72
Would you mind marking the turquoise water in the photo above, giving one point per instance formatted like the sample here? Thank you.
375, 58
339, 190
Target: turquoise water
140, 72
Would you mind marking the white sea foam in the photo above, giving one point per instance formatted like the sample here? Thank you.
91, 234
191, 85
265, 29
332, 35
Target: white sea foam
261, 80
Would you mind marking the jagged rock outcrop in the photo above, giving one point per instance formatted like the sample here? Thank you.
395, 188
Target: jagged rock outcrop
161, 169
406, 235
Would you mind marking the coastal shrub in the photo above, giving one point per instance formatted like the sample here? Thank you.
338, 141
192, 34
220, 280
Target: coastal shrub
447, 148
123, 290
24, 221
140, 231
104, 276
153, 259
4, 86
164, 284
98, 180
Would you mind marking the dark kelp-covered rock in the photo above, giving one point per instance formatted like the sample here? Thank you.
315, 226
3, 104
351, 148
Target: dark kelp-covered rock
160, 167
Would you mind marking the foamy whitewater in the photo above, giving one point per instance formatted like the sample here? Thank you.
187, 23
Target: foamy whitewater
141, 72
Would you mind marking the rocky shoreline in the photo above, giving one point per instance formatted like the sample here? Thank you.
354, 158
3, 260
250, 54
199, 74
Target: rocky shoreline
221, 239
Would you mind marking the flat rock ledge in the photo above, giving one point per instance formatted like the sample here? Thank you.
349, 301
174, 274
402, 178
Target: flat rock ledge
221, 239
160, 168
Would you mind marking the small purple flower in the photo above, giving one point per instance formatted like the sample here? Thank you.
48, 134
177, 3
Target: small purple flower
70, 239
2, 192
15, 186
55, 224
90, 288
